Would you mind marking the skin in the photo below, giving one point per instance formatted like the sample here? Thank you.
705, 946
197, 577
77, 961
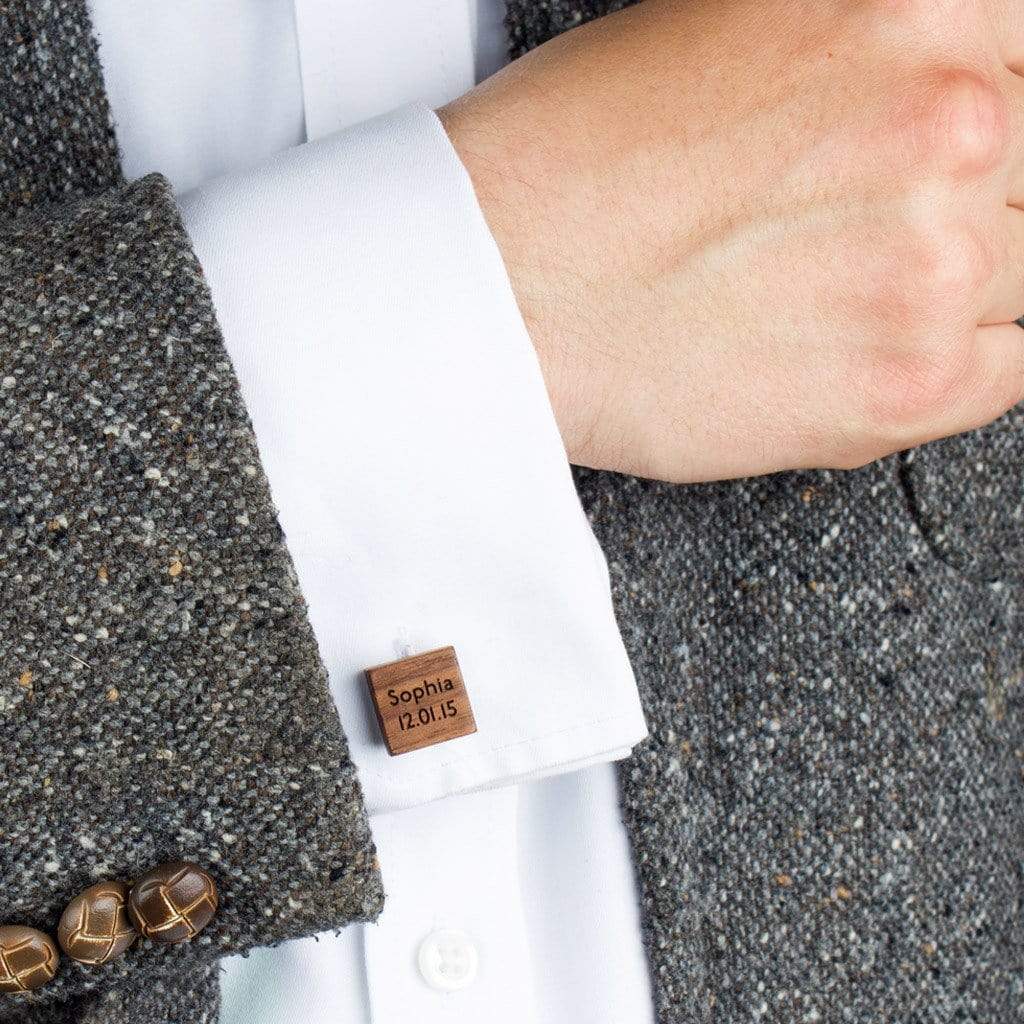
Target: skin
757, 235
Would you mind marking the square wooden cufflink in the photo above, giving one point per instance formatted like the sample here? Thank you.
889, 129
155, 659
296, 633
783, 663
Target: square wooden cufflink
421, 700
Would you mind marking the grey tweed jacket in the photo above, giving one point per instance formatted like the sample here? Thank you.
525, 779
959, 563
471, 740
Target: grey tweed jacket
826, 820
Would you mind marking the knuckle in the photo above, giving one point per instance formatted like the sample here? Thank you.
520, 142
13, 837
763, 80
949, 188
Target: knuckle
959, 265
910, 390
943, 269
961, 124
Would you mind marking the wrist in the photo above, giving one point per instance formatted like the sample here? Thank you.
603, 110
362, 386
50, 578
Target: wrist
516, 209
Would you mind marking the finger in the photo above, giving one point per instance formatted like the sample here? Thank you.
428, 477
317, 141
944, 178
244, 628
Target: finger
1015, 94
1008, 19
997, 379
1005, 299
989, 381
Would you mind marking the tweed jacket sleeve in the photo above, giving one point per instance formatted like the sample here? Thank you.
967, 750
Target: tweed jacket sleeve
161, 694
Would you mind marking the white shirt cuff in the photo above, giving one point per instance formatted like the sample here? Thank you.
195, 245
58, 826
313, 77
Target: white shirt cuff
420, 478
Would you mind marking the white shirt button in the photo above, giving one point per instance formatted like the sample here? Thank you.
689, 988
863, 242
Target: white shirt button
448, 960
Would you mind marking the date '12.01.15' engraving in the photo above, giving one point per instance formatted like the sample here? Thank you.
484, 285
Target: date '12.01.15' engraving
421, 700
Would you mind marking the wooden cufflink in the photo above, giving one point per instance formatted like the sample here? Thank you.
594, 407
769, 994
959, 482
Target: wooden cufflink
421, 700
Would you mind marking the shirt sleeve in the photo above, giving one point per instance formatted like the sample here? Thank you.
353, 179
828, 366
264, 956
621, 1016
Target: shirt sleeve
412, 453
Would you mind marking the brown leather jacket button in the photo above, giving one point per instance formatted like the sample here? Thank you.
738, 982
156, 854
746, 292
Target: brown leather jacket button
173, 902
28, 958
95, 928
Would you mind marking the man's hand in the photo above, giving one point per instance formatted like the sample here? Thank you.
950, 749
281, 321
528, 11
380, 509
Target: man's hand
753, 235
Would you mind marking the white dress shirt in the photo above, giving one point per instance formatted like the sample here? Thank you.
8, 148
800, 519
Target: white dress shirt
420, 479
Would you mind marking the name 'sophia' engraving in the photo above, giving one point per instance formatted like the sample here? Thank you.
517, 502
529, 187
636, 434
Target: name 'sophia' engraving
419, 693
416, 695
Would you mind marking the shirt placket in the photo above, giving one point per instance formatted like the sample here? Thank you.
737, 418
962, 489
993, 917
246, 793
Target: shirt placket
452, 943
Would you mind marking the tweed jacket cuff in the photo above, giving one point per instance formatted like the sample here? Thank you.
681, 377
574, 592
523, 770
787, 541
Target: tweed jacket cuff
161, 694
186, 997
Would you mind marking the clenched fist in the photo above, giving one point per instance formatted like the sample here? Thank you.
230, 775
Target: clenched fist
753, 235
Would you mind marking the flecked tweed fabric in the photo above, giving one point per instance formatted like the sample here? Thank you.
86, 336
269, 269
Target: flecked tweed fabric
827, 819
161, 695
56, 142
189, 997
